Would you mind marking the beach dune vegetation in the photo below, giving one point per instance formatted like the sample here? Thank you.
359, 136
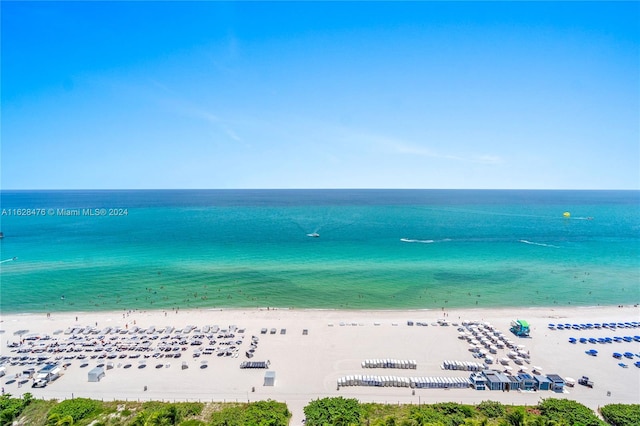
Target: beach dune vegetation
260, 413
491, 409
73, 410
11, 408
337, 411
333, 411
570, 411
621, 414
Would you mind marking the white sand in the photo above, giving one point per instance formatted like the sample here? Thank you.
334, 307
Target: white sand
308, 366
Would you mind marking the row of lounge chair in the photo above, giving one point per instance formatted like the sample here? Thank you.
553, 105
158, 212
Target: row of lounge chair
255, 364
590, 326
406, 382
462, 365
389, 363
602, 340
628, 355
140, 330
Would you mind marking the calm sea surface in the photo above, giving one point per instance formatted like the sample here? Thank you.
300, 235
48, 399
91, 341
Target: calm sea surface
377, 249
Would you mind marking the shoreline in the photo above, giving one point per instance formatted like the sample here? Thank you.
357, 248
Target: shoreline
294, 309
334, 342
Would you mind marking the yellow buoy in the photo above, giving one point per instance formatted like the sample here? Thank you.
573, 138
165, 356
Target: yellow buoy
566, 214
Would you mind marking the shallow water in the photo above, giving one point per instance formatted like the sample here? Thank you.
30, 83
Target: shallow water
378, 249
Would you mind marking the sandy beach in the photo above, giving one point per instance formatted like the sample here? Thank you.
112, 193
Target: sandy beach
309, 351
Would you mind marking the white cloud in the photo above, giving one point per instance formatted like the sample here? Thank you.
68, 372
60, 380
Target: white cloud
402, 147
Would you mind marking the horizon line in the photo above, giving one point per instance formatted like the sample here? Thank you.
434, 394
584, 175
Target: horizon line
319, 189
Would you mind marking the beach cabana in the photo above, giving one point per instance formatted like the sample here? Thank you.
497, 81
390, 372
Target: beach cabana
527, 382
557, 383
96, 374
269, 378
514, 382
478, 381
496, 380
542, 382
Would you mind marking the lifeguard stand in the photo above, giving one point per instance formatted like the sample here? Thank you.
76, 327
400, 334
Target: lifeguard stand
520, 328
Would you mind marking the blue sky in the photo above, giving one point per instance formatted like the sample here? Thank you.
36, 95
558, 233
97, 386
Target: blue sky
536, 95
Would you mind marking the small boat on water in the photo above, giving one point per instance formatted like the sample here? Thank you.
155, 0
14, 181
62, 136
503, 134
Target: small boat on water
313, 235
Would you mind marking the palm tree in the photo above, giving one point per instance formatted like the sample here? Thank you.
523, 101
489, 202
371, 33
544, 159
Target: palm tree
59, 420
516, 417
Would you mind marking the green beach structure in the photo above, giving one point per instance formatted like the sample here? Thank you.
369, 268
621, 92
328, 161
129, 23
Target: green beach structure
520, 328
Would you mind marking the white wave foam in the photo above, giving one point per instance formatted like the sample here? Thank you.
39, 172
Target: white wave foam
538, 244
407, 240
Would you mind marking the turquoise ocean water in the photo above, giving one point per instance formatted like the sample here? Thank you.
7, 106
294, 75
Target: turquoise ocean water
377, 249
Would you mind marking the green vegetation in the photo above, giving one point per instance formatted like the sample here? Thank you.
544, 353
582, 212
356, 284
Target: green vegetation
621, 414
491, 409
84, 412
551, 412
321, 412
261, 413
71, 411
160, 413
11, 408
333, 411
569, 411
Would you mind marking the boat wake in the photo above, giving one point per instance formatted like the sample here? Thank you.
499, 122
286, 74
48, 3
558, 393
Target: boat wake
538, 244
8, 260
407, 240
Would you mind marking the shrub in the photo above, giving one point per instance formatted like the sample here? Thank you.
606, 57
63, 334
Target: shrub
193, 422
333, 411
10, 408
621, 414
491, 409
77, 409
571, 412
267, 413
228, 416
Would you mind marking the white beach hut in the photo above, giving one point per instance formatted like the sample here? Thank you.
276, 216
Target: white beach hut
269, 378
96, 374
